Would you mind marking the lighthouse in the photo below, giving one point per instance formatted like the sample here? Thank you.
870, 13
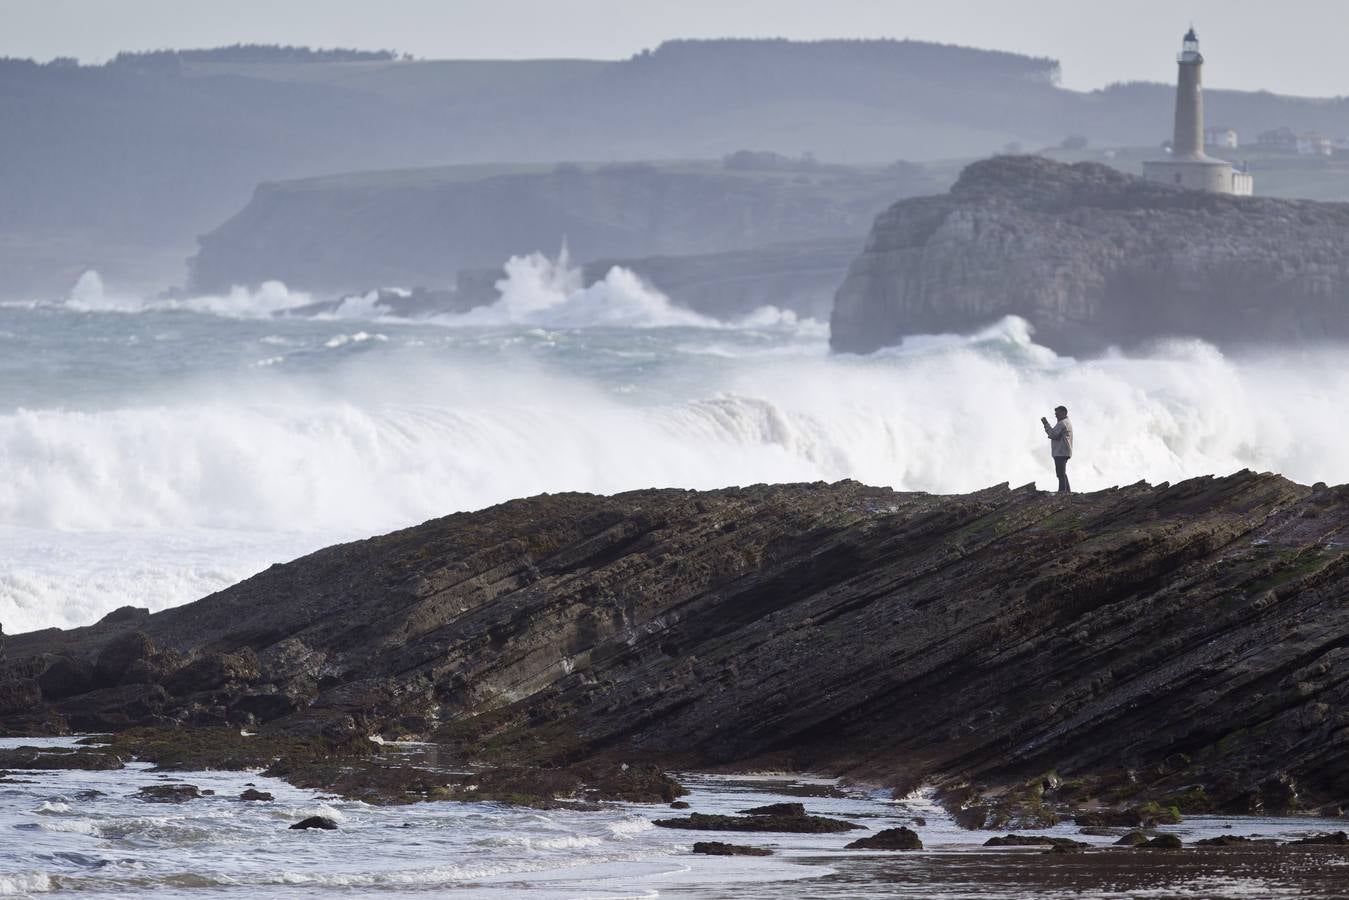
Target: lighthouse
1188, 166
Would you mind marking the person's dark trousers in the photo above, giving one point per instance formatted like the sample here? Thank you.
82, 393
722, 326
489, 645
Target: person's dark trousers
1061, 470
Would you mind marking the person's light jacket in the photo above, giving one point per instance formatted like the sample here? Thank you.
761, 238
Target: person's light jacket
1060, 437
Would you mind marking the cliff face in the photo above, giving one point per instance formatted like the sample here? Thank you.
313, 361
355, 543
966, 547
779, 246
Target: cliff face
1092, 257
358, 232
1138, 638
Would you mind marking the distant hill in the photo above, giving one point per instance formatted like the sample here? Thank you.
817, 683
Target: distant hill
110, 165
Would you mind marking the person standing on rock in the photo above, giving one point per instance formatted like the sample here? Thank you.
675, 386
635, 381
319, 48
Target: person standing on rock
1060, 445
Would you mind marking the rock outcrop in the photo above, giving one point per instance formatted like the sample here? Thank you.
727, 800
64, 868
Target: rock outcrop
888, 839
1140, 648
1092, 257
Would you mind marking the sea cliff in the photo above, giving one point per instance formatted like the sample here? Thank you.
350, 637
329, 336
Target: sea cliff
1027, 655
1092, 257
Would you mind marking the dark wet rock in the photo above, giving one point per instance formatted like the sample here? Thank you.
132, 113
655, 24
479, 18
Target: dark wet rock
369, 780
1020, 805
89, 794
1098, 831
679, 804
1146, 815
19, 696
1160, 842
888, 839
387, 781
1334, 839
717, 848
787, 824
573, 630
180, 749
156, 668
1074, 847
628, 783
59, 758
1109, 818
1092, 257
125, 615
115, 708
212, 671
169, 793
83, 860
824, 791
321, 822
1033, 840
1132, 839
1279, 794
66, 676
119, 654
588, 783
254, 794
1234, 840
919, 820
776, 809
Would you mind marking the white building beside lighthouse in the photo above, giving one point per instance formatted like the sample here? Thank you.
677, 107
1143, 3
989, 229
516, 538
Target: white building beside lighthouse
1188, 166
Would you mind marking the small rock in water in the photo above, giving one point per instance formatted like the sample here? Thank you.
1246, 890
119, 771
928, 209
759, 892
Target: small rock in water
1335, 839
889, 839
1033, 840
679, 804
323, 822
717, 848
777, 809
1132, 839
1231, 840
252, 794
792, 824
168, 793
1160, 842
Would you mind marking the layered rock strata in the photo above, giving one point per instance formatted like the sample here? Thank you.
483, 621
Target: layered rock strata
1146, 646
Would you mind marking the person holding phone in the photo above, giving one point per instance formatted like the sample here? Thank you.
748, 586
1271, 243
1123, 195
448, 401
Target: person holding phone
1060, 445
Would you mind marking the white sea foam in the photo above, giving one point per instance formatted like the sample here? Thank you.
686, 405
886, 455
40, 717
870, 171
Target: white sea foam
91, 295
24, 883
158, 503
359, 337
536, 290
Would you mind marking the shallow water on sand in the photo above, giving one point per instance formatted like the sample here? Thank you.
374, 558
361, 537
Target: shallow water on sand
57, 837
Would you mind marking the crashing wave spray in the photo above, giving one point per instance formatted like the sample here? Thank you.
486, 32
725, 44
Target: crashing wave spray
157, 501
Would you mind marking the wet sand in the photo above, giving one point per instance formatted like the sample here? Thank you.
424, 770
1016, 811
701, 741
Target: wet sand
1306, 873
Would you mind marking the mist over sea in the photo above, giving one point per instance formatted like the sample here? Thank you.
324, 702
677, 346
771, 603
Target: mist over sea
155, 451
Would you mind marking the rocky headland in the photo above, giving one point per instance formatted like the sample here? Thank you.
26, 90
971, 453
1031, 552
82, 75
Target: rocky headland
435, 227
1092, 257
1127, 657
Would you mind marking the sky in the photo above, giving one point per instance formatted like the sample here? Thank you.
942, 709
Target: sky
1291, 47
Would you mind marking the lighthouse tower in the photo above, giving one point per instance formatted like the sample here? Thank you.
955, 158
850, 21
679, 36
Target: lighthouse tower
1188, 166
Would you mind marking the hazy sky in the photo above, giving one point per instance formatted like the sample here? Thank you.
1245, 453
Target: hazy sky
1291, 46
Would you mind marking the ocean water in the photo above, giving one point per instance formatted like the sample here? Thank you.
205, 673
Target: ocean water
87, 834
154, 451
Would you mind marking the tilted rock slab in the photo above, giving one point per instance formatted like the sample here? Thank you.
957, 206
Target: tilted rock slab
1145, 637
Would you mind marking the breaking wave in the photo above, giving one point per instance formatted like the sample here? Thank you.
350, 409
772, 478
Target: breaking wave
163, 503
537, 290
